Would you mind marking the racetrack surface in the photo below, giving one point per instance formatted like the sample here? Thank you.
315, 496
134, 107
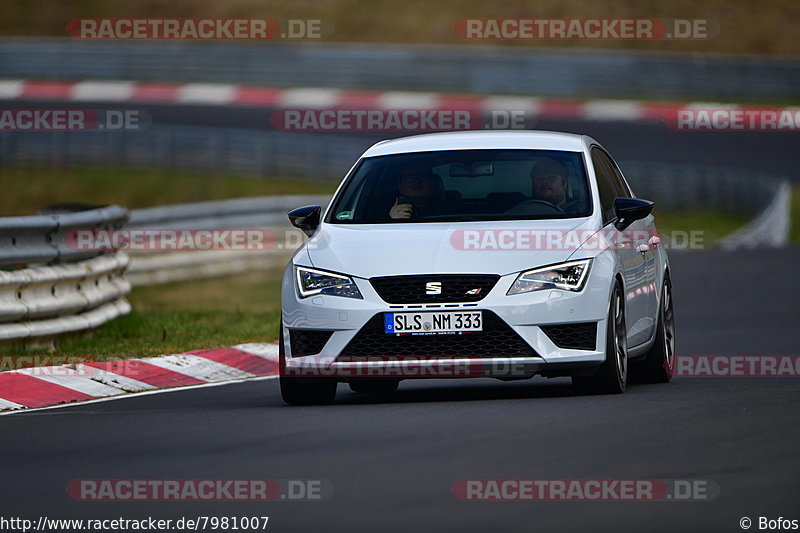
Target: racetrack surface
393, 462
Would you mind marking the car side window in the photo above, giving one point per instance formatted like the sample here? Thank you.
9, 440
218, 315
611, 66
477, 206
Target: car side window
605, 185
616, 176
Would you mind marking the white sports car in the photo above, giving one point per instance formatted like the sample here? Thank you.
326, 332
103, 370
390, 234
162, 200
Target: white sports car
501, 254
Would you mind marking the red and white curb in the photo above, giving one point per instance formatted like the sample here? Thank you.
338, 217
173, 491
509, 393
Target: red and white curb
319, 98
53, 385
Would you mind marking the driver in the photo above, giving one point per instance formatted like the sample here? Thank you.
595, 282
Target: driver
419, 194
549, 183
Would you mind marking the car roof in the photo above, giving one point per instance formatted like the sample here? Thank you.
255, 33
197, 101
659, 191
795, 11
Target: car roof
482, 140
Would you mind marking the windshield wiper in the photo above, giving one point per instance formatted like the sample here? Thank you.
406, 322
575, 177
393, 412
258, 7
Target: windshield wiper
450, 218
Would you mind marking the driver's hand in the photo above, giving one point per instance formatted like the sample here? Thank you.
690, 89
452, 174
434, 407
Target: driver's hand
400, 210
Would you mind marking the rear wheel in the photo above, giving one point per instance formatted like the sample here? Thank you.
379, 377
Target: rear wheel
659, 362
374, 386
612, 377
303, 391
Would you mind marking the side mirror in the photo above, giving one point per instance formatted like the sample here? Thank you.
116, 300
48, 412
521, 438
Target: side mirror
629, 210
305, 218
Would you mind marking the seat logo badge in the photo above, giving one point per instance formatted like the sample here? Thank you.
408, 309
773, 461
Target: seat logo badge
433, 287
473, 292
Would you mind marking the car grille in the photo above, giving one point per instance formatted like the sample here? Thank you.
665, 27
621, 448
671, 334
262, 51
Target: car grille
576, 336
496, 340
308, 341
454, 288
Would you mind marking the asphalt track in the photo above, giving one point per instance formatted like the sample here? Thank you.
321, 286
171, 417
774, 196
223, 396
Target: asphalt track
394, 462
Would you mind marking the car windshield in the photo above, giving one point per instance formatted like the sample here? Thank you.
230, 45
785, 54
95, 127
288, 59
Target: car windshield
464, 185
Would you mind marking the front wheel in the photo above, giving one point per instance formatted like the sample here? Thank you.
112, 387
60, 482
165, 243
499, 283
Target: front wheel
374, 386
612, 377
659, 362
302, 391
296, 391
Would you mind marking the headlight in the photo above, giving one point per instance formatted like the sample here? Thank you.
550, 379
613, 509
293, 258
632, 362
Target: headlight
311, 281
568, 276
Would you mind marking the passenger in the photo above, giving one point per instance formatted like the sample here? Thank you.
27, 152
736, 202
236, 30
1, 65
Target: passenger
549, 179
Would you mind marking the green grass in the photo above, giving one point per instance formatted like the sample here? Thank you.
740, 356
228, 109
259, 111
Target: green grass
179, 317
744, 26
707, 226
37, 188
794, 230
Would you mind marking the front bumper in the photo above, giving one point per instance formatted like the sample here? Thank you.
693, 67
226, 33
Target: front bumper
524, 314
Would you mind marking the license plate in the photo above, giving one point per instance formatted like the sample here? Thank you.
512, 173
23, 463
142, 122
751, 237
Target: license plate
432, 323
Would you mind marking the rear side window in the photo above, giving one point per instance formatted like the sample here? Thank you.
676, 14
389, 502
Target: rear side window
605, 185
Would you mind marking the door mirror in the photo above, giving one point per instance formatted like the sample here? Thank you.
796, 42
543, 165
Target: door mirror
305, 218
629, 210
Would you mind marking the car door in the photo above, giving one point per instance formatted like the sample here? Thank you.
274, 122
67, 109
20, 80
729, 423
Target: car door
645, 241
631, 258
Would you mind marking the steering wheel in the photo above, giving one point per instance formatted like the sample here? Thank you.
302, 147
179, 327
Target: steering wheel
529, 202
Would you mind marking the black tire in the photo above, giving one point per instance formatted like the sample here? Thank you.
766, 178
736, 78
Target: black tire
658, 364
300, 391
374, 386
303, 391
612, 377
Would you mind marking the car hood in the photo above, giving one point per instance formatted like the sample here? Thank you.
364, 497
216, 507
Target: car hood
497, 247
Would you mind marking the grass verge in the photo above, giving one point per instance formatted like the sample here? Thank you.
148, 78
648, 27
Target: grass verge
179, 317
794, 229
703, 227
37, 188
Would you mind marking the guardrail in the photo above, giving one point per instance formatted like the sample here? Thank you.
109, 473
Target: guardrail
266, 212
763, 197
40, 239
207, 150
39, 303
678, 187
681, 187
255, 212
770, 228
322, 156
475, 69
61, 290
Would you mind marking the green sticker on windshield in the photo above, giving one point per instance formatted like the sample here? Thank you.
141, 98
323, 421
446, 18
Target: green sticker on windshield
344, 215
